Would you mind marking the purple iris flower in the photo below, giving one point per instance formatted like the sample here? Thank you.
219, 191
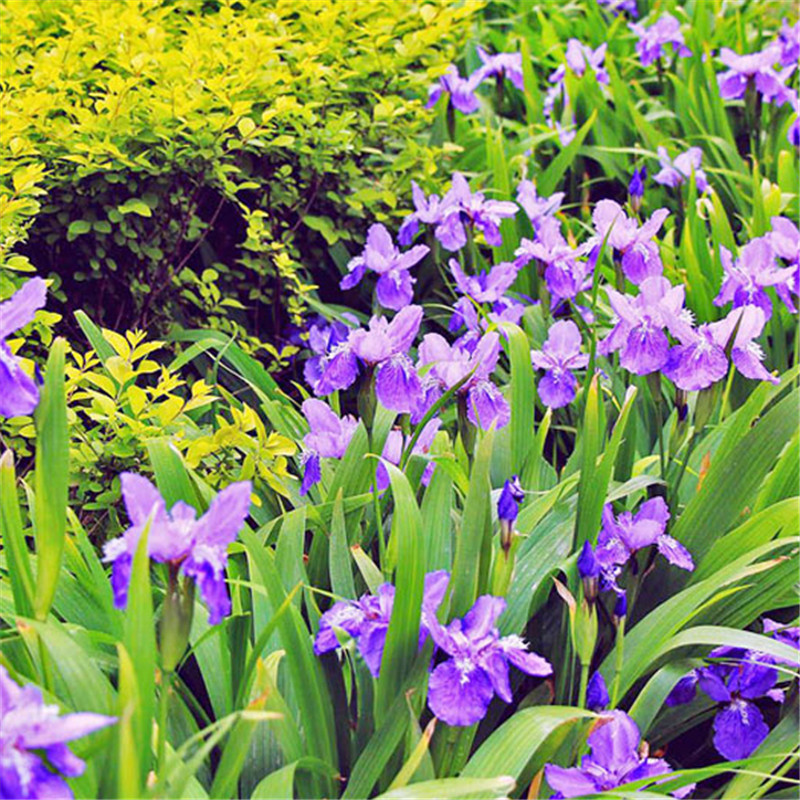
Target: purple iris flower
793, 134
384, 347
623, 536
367, 619
449, 365
427, 210
537, 208
636, 188
747, 277
785, 241
464, 207
565, 274
699, 361
34, 755
638, 332
19, 394
328, 437
511, 495
666, 30
488, 287
615, 759
597, 698
461, 91
393, 451
785, 634
735, 680
198, 547
789, 38
501, 65
633, 244
581, 57
323, 338
395, 284
560, 354
678, 171
756, 68
620, 6
461, 688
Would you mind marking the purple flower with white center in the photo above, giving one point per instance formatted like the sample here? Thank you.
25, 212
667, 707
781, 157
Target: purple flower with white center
196, 547
460, 91
395, 284
34, 756
427, 210
676, 172
638, 332
615, 759
461, 688
582, 58
323, 338
565, 274
367, 619
560, 354
756, 69
464, 207
789, 39
450, 365
784, 238
735, 680
666, 30
633, 244
393, 451
620, 6
383, 347
328, 437
19, 394
597, 698
747, 277
501, 65
537, 208
623, 536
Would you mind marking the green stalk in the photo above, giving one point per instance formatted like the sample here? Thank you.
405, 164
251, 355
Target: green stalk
163, 712
619, 650
584, 685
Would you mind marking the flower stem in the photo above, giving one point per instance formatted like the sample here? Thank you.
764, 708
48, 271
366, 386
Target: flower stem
163, 712
619, 650
584, 684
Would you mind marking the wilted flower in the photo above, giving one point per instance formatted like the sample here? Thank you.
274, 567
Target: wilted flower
34, 755
747, 277
633, 244
501, 65
678, 171
395, 284
450, 365
756, 69
615, 759
736, 679
328, 437
367, 619
623, 536
560, 354
537, 208
196, 547
666, 30
19, 395
461, 91
461, 688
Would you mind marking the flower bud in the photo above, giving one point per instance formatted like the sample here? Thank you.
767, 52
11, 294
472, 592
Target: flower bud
620, 608
176, 621
597, 698
636, 188
589, 570
508, 509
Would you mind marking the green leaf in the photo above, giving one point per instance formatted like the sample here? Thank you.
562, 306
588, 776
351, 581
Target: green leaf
339, 554
128, 766
547, 181
77, 228
452, 788
522, 400
135, 206
51, 480
13, 536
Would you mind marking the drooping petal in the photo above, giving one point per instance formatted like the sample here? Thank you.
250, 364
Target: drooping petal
21, 307
395, 289
19, 394
403, 328
674, 552
570, 781
684, 691
345, 615
458, 698
738, 730
557, 388
225, 517
615, 742
486, 406
397, 385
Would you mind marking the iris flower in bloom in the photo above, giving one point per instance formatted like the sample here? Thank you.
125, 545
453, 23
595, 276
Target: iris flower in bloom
501, 65
196, 547
33, 751
560, 354
427, 210
395, 284
461, 688
757, 69
323, 338
789, 39
19, 395
638, 332
488, 287
449, 365
623, 536
736, 679
747, 277
393, 451
537, 208
461, 91
785, 241
632, 244
367, 619
617, 6
329, 437
616, 758
678, 171
666, 30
